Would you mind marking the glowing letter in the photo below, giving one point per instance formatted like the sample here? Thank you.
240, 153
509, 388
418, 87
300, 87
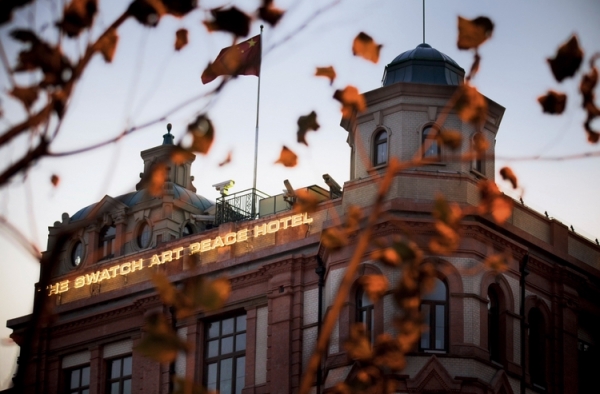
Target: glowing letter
273, 226
137, 265
306, 219
230, 238
154, 261
177, 252
297, 220
79, 282
260, 230
92, 278
125, 268
205, 245
113, 271
194, 248
166, 256
285, 221
242, 235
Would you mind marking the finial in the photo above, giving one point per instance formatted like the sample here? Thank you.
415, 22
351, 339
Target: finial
169, 128
168, 138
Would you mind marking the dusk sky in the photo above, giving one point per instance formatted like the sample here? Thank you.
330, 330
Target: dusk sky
147, 79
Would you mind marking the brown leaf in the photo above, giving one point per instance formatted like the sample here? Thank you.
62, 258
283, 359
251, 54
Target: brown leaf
203, 134
352, 101
327, 72
471, 105
77, 16
497, 262
450, 138
27, 96
305, 124
364, 46
158, 177
269, 13
358, 345
567, 60
55, 180
107, 45
147, 12
586, 87
387, 256
305, 201
287, 157
164, 287
494, 202
179, 8
230, 20
375, 286
472, 33
160, 342
353, 217
449, 213
333, 238
227, 160
208, 294
480, 143
508, 175
446, 240
553, 102
389, 354
181, 39
501, 209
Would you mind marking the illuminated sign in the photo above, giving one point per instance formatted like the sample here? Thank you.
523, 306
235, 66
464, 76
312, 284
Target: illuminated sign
166, 256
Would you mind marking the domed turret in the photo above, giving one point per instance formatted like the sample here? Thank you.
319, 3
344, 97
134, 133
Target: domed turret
423, 64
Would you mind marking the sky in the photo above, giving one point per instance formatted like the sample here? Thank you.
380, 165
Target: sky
148, 79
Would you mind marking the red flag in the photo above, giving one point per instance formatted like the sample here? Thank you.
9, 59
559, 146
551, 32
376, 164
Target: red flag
240, 59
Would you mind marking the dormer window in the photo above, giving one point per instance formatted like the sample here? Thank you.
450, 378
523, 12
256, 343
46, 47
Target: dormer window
106, 242
431, 148
380, 148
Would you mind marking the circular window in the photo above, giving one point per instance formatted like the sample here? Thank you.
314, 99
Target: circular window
144, 235
77, 254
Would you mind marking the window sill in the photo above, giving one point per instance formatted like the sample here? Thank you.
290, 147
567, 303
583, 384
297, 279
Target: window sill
477, 174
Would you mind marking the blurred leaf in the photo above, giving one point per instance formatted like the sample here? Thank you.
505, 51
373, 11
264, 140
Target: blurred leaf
586, 87
333, 238
147, 12
160, 342
287, 157
269, 13
327, 72
227, 160
553, 102
107, 45
352, 101
446, 240
7, 8
305, 124
388, 353
494, 202
450, 138
567, 60
358, 345
165, 288
185, 386
365, 47
230, 20
501, 209
208, 294
471, 105
158, 177
27, 96
179, 8
375, 286
508, 175
305, 202
448, 213
353, 217
77, 16
181, 39
497, 262
472, 33
203, 134
55, 180
387, 256
480, 143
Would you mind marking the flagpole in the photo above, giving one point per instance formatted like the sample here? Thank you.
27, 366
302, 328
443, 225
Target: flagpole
256, 132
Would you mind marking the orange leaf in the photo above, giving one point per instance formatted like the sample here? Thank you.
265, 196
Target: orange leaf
352, 101
501, 209
305, 124
567, 60
55, 180
78, 15
333, 238
305, 202
287, 157
375, 286
227, 160
471, 105
508, 175
181, 39
553, 102
450, 138
158, 177
497, 262
203, 134
365, 47
480, 143
472, 33
358, 345
327, 72
147, 12
107, 45
27, 96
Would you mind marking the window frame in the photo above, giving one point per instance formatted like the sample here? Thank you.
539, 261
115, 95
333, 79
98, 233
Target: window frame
494, 325
431, 333
425, 135
107, 242
80, 389
121, 379
365, 313
536, 356
139, 235
478, 162
72, 253
381, 142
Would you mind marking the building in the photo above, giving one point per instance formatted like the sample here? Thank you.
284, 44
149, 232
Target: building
534, 324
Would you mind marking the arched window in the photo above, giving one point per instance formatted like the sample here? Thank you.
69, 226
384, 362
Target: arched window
431, 148
106, 242
365, 313
380, 148
77, 254
434, 308
537, 347
494, 331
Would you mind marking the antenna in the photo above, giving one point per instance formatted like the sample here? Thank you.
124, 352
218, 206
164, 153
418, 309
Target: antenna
423, 21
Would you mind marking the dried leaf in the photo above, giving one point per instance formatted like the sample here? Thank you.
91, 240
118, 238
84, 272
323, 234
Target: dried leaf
269, 13
508, 175
107, 45
147, 12
287, 157
55, 180
333, 238
567, 60
179, 8
448, 213
203, 134
305, 124
305, 201
586, 87
375, 286
450, 138
553, 102
389, 354
164, 287
7, 8
497, 262
208, 294
471, 105
387, 256
227, 160
446, 240
365, 47
352, 101
494, 202
353, 217
480, 143
77, 16
327, 72
160, 342
181, 39
501, 209
358, 345
27, 96
157, 179
230, 20
472, 33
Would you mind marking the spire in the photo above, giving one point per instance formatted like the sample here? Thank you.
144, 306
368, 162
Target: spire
168, 138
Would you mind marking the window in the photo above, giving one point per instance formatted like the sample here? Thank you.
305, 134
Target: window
77, 254
434, 308
107, 242
380, 148
494, 324
188, 229
144, 235
537, 347
225, 355
77, 380
365, 313
431, 148
119, 376
477, 144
